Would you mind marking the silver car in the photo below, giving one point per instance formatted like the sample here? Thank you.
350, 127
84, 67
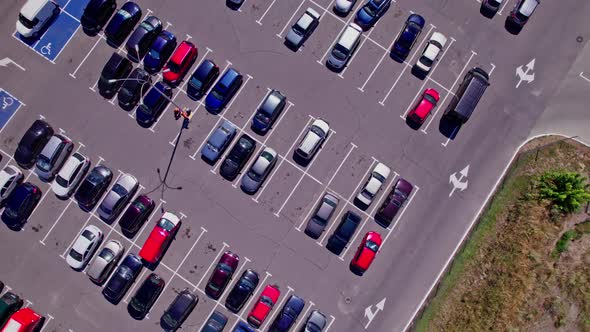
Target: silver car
259, 171
321, 217
52, 157
118, 197
106, 260
10, 177
316, 322
302, 29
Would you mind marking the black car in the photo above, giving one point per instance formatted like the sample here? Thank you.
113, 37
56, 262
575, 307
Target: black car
268, 112
141, 39
122, 24
134, 87
202, 79
339, 239
93, 186
136, 215
242, 291
122, 278
407, 38
237, 157
9, 304
215, 323
113, 75
96, 14
32, 142
154, 103
145, 296
179, 310
21, 203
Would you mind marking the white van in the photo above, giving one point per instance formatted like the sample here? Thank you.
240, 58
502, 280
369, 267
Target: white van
345, 47
34, 15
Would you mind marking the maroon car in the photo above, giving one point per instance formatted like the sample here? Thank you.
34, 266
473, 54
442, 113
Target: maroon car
222, 274
394, 201
136, 215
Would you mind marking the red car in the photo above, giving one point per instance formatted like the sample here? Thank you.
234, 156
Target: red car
267, 300
180, 62
160, 237
420, 112
366, 253
24, 320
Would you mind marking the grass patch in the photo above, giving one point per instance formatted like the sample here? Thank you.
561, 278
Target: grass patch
564, 241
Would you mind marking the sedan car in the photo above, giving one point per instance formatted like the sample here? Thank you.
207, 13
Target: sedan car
116, 199
122, 279
96, 14
136, 215
154, 103
24, 320
141, 39
522, 11
222, 274
268, 112
425, 105
267, 300
302, 29
180, 63
259, 171
218, 141
9, 304
70, 175
84, 247
224, 90
215, 323
134, 87
20, 205
407, 37
122, 24
318, 222
202, 79
237, 157
32, 142
106, 260
370, 13
159, 239
394, 201
490, 7
159, 52
10, 177
145, 296
343, 7
315, 136
242, 291
343, 233
431, 53
288, 314
373, 185
178, 310
53, 156
316, 322
93, 186
366, 252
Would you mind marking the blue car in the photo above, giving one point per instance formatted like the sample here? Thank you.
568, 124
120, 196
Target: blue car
243, 327
154, 103
218, 141
407, 37
368, 15
268, 112
21, 203
223, 91
122, 24
122, 279
202, 79
288, 314
159, 52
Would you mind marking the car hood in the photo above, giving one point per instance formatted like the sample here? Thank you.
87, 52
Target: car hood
315, 227
260, 311
150, 62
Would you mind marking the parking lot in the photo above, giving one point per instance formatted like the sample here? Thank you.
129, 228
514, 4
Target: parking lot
365, 104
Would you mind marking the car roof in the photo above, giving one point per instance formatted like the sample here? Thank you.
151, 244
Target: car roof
349, 223
32, 7
228, 77
70, 166
182, 51
527, 7
52, 145
204, 68
261, 162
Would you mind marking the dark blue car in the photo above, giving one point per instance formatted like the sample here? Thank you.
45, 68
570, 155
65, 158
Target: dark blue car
407, 37
21, 203
368, 15
243, 327
154, 103
122, 279
242, 291
288, 314
159, 52
122, 24
202, 79
224, 90
142, 38
269, 112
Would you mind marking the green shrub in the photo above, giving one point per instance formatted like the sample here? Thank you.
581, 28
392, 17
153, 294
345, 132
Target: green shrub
563, 243
566, 190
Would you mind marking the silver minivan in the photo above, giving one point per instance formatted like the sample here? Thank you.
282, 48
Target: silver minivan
52, 157
345, 47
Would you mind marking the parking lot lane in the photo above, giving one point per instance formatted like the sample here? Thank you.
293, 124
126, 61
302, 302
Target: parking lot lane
293, 208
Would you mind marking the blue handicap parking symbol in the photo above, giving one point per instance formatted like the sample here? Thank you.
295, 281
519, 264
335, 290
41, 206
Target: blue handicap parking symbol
8, 106
57, 36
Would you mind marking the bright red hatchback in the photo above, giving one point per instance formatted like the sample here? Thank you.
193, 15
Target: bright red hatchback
420, 112
366, 253
180, 62
160, 238
24, 320
268, 298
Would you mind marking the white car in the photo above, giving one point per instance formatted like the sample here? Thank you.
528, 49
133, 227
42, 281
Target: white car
344, 6
106, 260
314, 137
431, 52
84, 247
70, 175
34, 15
378, 177
10, 177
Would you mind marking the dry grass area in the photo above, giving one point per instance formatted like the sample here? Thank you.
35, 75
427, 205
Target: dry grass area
509, 277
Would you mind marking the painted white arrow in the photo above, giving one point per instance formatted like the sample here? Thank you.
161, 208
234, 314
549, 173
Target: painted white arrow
6, 61
370, 314
524, 75
457, 181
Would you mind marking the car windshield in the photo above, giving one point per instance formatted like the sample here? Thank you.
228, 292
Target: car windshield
262, 117
146, 26
370, 10
124, 14
247, 284
399, 193
29, 24
76, 255
339, 52
154, 54
225, 267
175, 68
43, 163
61, 181
217, 94
298, 29
313, 328
266, 300
372, 246
169, 320
166, 224
426, 61
88, 234
106, 254
195, 83
12, 213
119, 190
139, 205
367, 194
94, 177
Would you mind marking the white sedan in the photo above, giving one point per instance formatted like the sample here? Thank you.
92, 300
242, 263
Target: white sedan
344, 6
70, 175
84, 247
431, 52
373, 185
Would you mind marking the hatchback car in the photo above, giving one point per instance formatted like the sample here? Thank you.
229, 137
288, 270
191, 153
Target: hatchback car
424, 106
20, 204
84, 247
394, 201
159, 52
522, 11
318, 222
224, 90
145, 296
96, 14
373, 185
24, 320
113, 75
122, 279
343, 233
316, 322
237, 157
159, 239
32, 142
202, 79
154, 103
407, 37
288, 314
94, 185
267, 300
302, 29
366, 252
259, 171
136, 215
218, 141
242, 290
215, 323
180, 63
343, 7
106, 260
134, 87
431, 53
268, 112
222, 274
178, 310
122, 24
370, 13
142, 38
315, 136
70, 175
10, 177
116, 199
53, 156
9, 304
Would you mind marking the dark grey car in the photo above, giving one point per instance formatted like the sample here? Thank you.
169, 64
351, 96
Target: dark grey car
141, 39
302, 29
116, 199
179, 310
215, 323
321, 217
316, 322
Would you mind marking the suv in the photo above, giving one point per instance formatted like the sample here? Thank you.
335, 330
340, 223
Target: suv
242, 291
140, 41
268, 112
321, 217
237, 157
371, 12
53, 156
180, 62
430, 54
224, 90
313, 140
222, 274
113, 75
96, 14
122, 24
154, 103
522, 12
339, 239
468, 95
288, 314
32, 142
145, 296
202, 79
134, 88
345, 47
407, 37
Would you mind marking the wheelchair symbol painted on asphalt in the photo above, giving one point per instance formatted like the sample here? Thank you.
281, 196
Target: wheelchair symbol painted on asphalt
7, 101
46, 50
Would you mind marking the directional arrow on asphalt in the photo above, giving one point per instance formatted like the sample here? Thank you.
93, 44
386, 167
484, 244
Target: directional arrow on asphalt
6, 61
457, 181
524, 75
370, 314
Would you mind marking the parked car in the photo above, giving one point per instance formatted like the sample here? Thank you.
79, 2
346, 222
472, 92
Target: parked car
34, 15
180, 63
373, 185
154, 103
224, 90
96, 14
106, 260
159, 52
343, 7
20, 205
237, 157
122, 24
315, 136
94, 185
323, 212
424, 106
288, 314
70, 175
24, 320
242, 290
53, 156
343, 233
215, 323
218, 141
267, 300
394, 201
407, 37
242, 327
202, 79
178, 310
122, 279
118, 197
474, 84
10, 178
32, 142
9, 304
345, 47
490, 7
136, 215
222, 274
316, 322
234, 4
302, 29
133, 88
522, 12
268, 112
431, 53
259, 171
159, 239
84, 247
366, 252
370, 13
142, 38
145, 296
113, 75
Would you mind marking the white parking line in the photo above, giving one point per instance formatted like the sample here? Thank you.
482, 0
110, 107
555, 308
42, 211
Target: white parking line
71, 200
280, 34
304, 316
27, 303
357, 50
330, 323
501, 9
278, 308
259, 21
46, 323
584, 77
214, 262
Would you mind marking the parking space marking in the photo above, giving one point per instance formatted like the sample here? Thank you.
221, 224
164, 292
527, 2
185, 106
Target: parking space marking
280, 34
278, 308
259, 21
390, 229
10, 106
366, 37
501, 9
347, 22
491, 70
332, 318
71, 200
85, 57
214, 262
304, 316
584, 77
46, 323
385, 53
247, 305
325, 9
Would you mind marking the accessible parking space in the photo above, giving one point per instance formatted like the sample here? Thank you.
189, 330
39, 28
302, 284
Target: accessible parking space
10, 105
